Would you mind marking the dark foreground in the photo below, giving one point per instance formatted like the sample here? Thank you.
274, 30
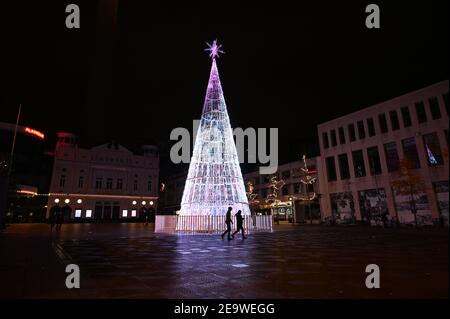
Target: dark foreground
131, 261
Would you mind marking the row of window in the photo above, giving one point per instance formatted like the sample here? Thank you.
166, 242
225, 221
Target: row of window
360, 129
108, 185
432, 150
88, 213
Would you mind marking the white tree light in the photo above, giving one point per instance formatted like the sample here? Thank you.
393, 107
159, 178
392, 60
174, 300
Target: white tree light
214, 180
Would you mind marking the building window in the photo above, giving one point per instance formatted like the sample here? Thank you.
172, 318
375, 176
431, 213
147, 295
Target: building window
374, 160
434, 108
406, 117
135, 185
98, 182
125, 213
285, 190
62, 181
361, 131
358, 163
333, 138
383, 122
420, 111
325, 142
80, 182
392, 159
119, 184
410, 152
133, 213
432, 149
77, 213
297, 188
341, 136
351, 132
370, 126
445, 98
343, 166
109, 183
395, 124
331, 168
88, 213
149, 185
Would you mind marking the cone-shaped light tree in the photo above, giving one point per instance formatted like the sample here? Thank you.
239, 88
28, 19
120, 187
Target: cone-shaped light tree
214, 180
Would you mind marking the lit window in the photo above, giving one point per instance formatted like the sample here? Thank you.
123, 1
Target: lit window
77, 213
88, 213
133, 213
125, 213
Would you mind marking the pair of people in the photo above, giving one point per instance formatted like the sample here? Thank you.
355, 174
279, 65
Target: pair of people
239, 224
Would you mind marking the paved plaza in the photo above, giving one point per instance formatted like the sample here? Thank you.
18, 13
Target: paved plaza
309, 261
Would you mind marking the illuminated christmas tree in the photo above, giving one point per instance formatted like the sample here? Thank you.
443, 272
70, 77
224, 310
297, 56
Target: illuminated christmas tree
214, 180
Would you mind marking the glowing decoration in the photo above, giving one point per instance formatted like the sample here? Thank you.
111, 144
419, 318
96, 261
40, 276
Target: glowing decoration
34, 132
56, 200
79, 201
67, 201
214, 180
134, 202
308, 180
431, 158
151, 203
214, 49
144, 202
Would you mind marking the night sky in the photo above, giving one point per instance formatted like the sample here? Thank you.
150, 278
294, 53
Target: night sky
287, 66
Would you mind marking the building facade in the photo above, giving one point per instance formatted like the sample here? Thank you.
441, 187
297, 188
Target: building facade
297, 202
104, 183
362, 154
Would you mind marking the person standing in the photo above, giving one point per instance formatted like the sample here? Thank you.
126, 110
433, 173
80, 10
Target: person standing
52, 217
239, 224
59, 219
228, 222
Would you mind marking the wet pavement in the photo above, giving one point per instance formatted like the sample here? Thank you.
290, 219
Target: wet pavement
309, 261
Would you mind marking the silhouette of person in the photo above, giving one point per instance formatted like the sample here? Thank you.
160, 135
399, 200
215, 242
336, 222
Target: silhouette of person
228, 222
239, 224
52, 217
59, 219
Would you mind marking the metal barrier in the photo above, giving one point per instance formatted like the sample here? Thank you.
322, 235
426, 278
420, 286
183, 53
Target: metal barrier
210, 224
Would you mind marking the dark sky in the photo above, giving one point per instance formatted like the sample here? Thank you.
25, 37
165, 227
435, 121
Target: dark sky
287, 66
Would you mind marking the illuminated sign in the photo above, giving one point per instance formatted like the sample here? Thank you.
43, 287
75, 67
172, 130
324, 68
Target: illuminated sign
34, 132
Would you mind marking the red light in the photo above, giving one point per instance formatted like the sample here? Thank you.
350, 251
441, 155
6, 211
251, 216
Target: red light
312, 172
34, 132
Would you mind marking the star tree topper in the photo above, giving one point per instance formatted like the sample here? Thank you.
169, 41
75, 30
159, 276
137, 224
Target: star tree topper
214, 49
